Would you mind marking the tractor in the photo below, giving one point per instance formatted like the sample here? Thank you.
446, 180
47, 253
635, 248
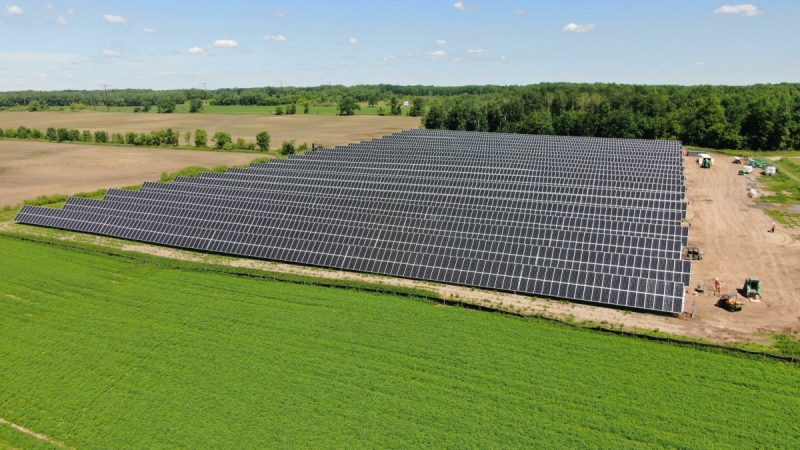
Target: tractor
705, 160
693, 252
730, 302
752, 287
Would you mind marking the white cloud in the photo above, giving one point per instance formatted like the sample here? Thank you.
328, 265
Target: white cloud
440, 42
578, 27
742, 9
71, 11
111, 18
225, 43
149, 30
459, 6
282, 13
436, 54
353, 41
477, 52
274, 38
111, 52
520, 11
195, 51
51, 8
62, 21
14, 10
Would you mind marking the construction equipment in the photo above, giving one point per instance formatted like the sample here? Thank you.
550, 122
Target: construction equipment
745, 170
730, 302
693, 252
737, 159
770, 170
758, 163
752, 287
705, 160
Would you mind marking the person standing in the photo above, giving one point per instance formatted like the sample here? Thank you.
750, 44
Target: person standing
717, 286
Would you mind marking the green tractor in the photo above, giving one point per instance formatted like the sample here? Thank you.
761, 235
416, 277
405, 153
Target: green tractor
752, 287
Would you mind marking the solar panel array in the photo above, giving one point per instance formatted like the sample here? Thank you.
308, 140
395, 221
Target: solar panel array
587, 219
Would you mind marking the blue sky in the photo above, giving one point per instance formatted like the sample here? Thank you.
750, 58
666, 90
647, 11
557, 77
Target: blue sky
182, 44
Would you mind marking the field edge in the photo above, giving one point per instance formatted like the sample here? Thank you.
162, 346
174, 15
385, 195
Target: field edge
784, 347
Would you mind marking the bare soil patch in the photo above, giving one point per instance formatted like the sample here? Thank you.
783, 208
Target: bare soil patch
325, 130
732, 231
30, 169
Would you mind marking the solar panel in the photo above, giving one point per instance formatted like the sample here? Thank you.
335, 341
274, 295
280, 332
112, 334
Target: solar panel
586, 219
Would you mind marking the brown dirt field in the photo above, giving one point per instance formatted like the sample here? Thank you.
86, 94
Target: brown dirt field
31, 169
325, 130
732, 231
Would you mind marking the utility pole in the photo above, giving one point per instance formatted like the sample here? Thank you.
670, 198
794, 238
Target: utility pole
105, 89
205, 89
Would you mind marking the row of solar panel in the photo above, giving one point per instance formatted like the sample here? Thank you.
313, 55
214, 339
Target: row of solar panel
373, 230
387, 217
518, 201
497, 207
488, 188
385, 264
539, 208
621, 168
529, 149
293, 236
417, 138
544, 178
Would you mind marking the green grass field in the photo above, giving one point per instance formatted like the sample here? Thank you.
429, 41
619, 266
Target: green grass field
103, 351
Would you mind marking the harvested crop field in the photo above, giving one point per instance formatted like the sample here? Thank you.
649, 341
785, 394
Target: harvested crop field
31, 169
325, 130
96, 355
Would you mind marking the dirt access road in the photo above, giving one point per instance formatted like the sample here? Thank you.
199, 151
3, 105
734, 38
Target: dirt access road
325, 130
732, 231
30, 169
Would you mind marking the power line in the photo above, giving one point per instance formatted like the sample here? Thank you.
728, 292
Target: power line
105, 89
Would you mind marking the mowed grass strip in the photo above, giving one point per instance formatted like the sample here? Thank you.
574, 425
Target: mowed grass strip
105, 352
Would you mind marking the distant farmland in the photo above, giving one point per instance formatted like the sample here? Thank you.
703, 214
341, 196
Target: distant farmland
96, 355
327, 130
30, 169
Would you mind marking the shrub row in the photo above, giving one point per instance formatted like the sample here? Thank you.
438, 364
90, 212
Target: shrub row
169, 137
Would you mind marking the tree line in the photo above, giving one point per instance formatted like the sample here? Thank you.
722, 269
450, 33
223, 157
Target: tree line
221, 140
761, 117
260, 96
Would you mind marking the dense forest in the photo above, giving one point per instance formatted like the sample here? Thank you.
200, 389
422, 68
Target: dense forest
762, 117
